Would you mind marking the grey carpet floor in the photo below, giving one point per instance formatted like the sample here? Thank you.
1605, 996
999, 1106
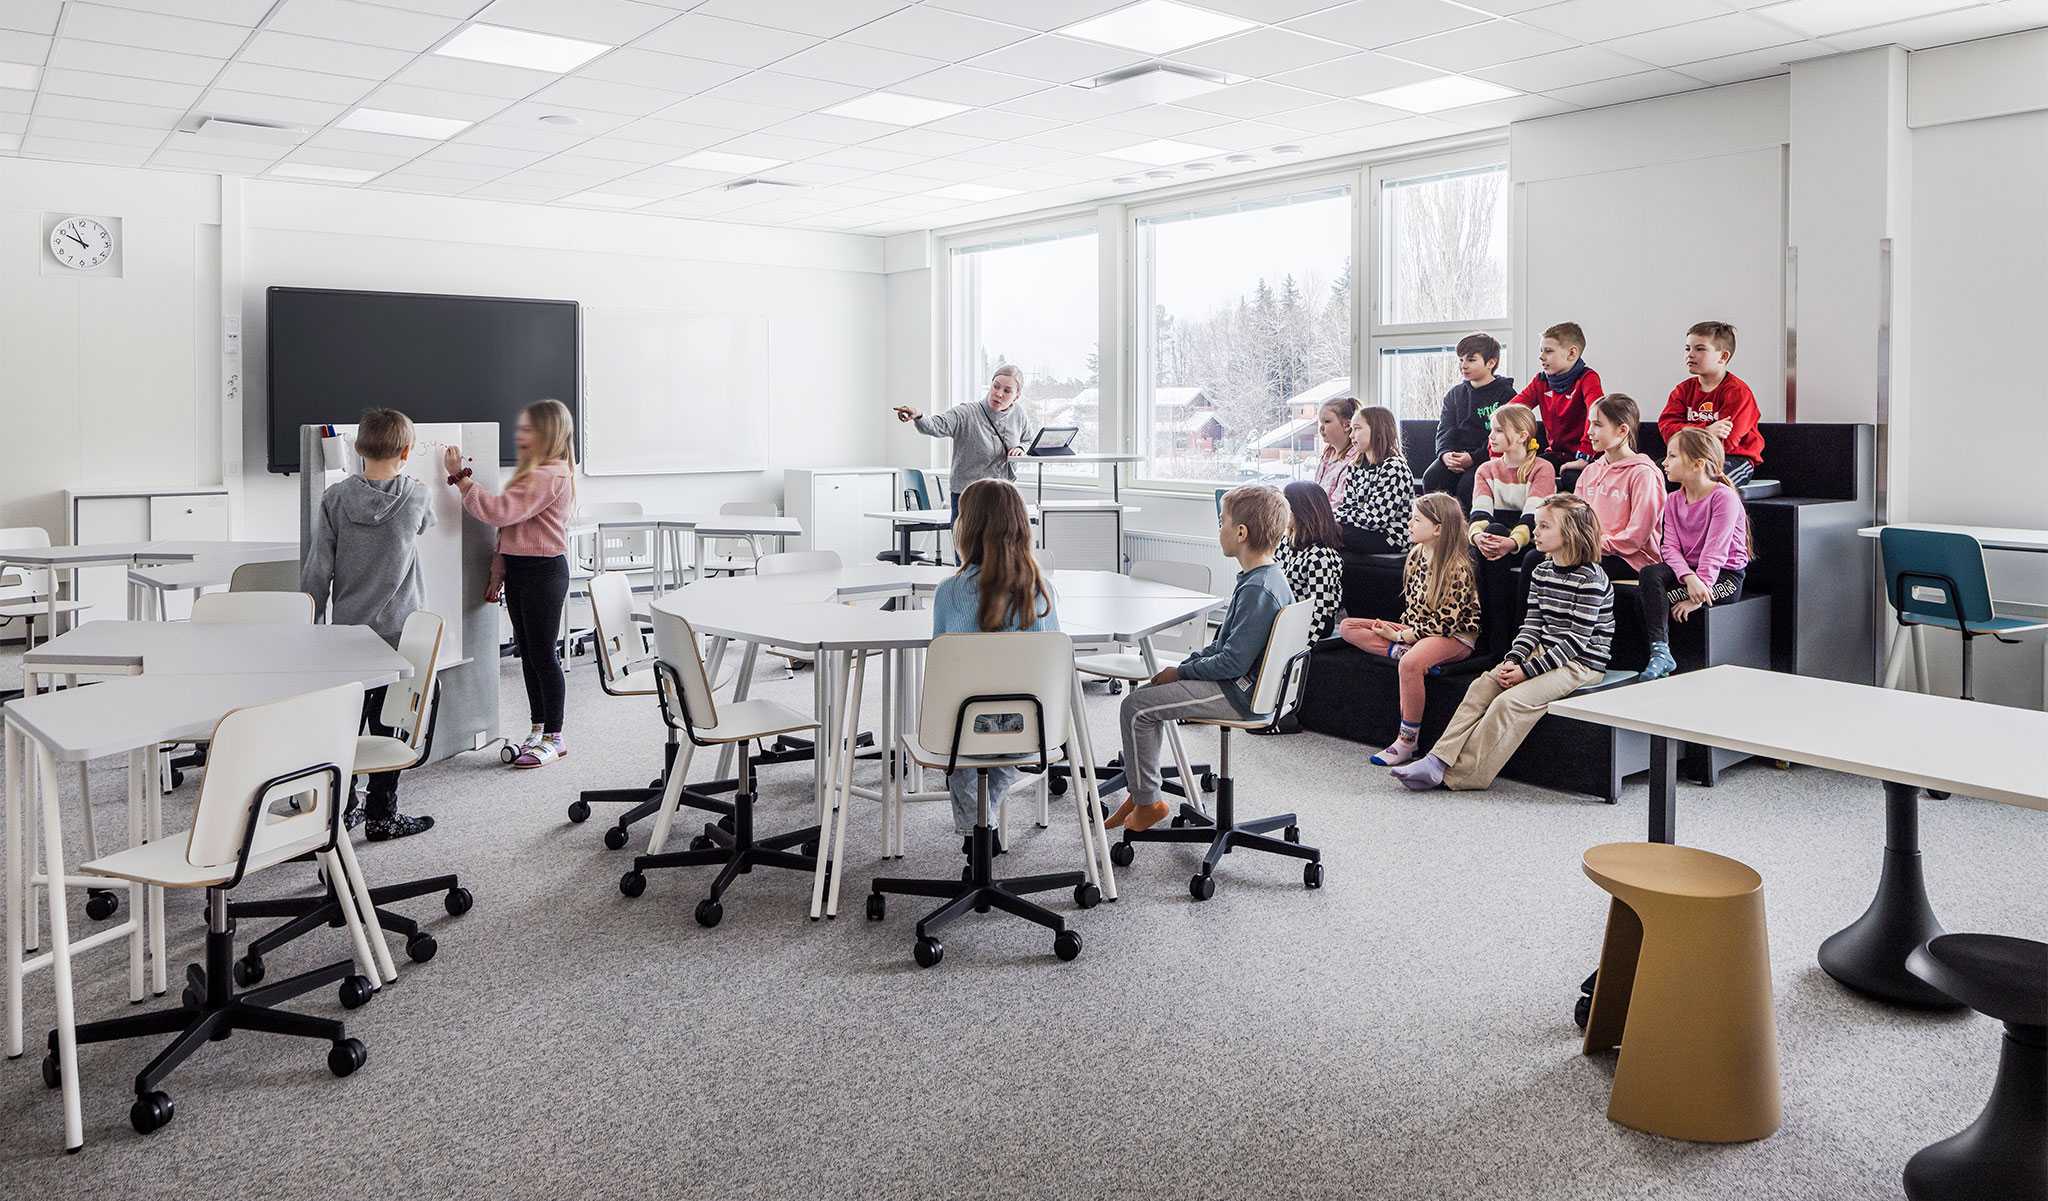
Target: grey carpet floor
1404, 1032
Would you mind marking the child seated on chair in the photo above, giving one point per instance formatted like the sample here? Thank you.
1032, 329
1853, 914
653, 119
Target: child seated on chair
998, 587
1217, 680
365, 551
1561, 648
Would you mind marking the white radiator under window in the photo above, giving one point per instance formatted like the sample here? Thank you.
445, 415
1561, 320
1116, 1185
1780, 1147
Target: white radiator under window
1141, 545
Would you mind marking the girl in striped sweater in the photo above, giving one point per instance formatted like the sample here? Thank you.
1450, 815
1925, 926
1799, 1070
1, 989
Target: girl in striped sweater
1562, 647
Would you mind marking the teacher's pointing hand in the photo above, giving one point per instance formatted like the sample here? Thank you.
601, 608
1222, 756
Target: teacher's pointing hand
906, 413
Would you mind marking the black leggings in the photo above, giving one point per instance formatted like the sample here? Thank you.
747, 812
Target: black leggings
536, 587
1661, 589
1362, 541
1439, 478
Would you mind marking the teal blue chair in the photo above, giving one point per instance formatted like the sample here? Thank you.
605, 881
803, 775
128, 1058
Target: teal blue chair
1220, 494
916, 496
1936, 578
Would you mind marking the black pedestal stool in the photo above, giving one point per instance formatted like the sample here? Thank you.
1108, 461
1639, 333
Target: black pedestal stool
2004, 1153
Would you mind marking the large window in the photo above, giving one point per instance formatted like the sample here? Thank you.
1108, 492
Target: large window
1031, 303
1440, 233
1244, 328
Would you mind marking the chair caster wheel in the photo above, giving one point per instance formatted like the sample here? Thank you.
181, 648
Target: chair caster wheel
177, 779
1116, 687
878, 907
579, 811
1058, 785
1201, 887
709, 913
1067, 945
101, 905
53, 1074
615, 838
1177, 821
1208, 781
1582, 1009
1122, 854
192, 998
356, 992
457, 902
1311, 874
344, 1057
151, 1112
1086, 895
928, 952
1937, 795
809, 850
248, 971
421, 947
1291, 833
701, 843
632, 884
725, 823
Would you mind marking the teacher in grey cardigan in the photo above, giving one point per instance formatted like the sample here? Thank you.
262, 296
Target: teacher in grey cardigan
986, 433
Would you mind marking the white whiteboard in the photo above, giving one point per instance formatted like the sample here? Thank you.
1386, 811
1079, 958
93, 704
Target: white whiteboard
666, 392
440, 548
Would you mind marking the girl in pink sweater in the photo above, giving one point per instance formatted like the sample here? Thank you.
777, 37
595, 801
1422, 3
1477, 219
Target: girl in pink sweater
531, 568
1706, 546
1626, 491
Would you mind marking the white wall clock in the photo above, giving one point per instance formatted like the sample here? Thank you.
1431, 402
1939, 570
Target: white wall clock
88, 245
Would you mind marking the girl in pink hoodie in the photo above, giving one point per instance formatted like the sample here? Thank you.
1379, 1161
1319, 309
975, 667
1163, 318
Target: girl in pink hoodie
531, 568
1626, 491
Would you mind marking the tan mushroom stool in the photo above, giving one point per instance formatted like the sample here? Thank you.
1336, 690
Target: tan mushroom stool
1685, 991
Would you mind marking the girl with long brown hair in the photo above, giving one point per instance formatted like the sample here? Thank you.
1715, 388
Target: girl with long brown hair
1308, 556
1706, 546
531, 567
997, 588
1379, 488
1333, 430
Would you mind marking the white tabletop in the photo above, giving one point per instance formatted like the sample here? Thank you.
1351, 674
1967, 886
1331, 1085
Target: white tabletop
185, 648
737, 525
945, 516
128, 552
1992, 537
213, 567
112, 719
1932, 742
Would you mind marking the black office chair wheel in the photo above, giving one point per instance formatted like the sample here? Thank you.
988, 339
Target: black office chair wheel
101, 904
53, 1074
1087, 895
1208, 781
248, 971
579, 811
928, 952
1122, 853
421, 947
457, 902
709, 913
1116, 687
632, 884
615, 838
1201, 887
1312, 874
346, 1056
1291, 833
151, 1112
657, 784
192, 998
725, 823
701, 843
1067, 945
878, 907
177, 778
356, 992
1582, 1011
1938, 794
809, 849
1058, 785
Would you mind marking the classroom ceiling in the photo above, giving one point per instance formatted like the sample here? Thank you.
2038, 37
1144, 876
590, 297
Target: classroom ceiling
870, 116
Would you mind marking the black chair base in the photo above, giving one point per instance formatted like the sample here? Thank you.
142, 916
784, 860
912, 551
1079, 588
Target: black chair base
978, 890
2004, 1153
733, 849
308, 914
1224, 834
646, 802
212, 1010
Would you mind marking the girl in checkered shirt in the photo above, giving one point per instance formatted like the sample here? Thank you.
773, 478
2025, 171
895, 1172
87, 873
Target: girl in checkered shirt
1374, 512
1308, 555
1439, 613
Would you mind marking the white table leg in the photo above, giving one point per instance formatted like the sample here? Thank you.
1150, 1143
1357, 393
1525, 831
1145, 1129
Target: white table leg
847, 743
657, 542
1923, 671
60, 949
344, 891
1087, 798
1895, 655
159, 971
17, 894
826, 762
371, 930
138, 832
1189, 785
740, 689
888, 749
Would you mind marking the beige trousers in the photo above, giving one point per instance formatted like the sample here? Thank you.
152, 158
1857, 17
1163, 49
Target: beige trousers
1492, 721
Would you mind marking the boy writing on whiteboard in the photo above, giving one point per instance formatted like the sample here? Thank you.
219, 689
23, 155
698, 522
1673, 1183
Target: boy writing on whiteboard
365, 553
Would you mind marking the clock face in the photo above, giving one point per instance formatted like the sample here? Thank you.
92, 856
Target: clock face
81, 243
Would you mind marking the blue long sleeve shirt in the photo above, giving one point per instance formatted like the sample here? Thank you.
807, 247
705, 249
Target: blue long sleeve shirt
956, 607
1233, 659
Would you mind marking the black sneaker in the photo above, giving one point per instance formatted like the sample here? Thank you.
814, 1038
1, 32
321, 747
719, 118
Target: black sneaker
398, 825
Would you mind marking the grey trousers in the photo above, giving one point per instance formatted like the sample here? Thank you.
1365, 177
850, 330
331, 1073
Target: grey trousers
1143, 721
967, 803
1492, 721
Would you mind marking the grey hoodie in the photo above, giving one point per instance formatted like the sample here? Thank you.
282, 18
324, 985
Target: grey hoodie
982, 439
365, 549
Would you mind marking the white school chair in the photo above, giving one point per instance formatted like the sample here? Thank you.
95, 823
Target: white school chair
281, 575
25, 591
253, 608
732, 556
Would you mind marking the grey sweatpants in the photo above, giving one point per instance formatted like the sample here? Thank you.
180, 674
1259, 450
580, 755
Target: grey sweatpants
1143, 721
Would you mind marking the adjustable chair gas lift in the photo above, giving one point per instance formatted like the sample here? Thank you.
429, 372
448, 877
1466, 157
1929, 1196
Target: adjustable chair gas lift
1224, 833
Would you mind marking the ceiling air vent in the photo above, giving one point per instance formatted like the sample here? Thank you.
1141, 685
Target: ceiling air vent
243, 129
737, 184
1157, 83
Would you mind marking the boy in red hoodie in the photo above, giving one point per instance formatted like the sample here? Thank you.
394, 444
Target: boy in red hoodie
1562, 392
1713, 399
1626, 492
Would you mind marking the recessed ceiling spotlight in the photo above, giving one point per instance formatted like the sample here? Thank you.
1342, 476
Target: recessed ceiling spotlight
1200, 167
409, 125
520, 48
1435, 95
560, 119
1158, 175
1287, 150
895, 109
1156, 27
1127, 180
1242, 158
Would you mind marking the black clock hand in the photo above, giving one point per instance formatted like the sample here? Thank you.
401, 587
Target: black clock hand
74, 237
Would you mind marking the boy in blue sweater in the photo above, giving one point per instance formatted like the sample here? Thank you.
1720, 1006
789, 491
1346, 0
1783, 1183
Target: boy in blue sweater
1217, 680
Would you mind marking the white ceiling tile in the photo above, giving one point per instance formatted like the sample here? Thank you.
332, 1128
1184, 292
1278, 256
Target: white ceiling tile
302, 85
814, 172
590, 170
433, 102
968, 85
1267, 10
96, 131
1562, 69
1254, 99
1263, 52
124, 27
516, 192
625, 150
768, 145
1084, 139
400, 181
1370, 24
1482, 45
606, 97
221, 102
324, 54
938, 33
1356, 75
44, 146
1245, 135
1340, 115
120, 87
953, 170
899, 185
447, 74
1014, 154
1715, 37
868, 160
777, 90
522, 136
1092, 167
1057, 60
365, 24
441, 168
30, 48
590, 122
113, 112
677, 135
1601, 20
1626, 88
926, 143
458, 9
1162, 120
1038, 14
614, 22
492, 156
992, 124
734, 42
1756, 64
661, 182
219, 163
819, 18
823, 127
670, 72
1821, 18
374, 143
861, 66
1947, 28
1071, 104
16, 100
133, 60
1496, 113
327, 156
31, 16
14, 123
727, 114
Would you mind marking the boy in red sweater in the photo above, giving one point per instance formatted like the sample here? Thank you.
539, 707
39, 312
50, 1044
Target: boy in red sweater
1714, 400
1562, 392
